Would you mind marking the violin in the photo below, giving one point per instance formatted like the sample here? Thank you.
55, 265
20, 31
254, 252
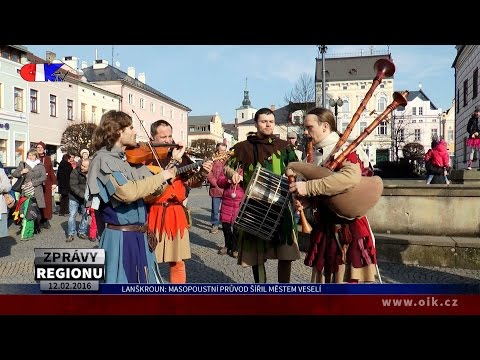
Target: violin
142, 152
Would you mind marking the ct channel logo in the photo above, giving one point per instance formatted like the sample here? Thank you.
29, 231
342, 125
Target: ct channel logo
69, 269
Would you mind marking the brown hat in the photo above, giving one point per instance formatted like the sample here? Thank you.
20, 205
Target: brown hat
41, 143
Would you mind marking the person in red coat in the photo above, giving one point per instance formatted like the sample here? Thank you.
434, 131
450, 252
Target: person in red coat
48, 187
231, 200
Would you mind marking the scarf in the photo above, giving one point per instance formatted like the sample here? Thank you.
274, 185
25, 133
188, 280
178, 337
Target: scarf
32, 163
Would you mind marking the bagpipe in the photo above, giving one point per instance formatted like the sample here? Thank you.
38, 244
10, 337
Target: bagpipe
356, 201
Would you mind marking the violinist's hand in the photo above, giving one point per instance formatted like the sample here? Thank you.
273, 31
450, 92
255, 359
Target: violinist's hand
299, 187
178, 153
207, 166
237, 178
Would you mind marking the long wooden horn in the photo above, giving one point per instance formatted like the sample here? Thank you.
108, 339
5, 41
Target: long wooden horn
399, 99
383, 67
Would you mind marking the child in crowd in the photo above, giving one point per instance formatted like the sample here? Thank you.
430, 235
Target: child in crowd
231, 199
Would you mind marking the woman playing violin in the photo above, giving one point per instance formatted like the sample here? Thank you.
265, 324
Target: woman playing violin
167, 217
116, 189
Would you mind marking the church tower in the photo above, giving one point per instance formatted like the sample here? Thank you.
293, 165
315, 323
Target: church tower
246, 111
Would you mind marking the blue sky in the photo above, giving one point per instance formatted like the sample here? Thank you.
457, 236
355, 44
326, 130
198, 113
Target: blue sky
211, 78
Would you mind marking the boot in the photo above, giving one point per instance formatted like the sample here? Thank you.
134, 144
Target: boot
46, 224
469, 165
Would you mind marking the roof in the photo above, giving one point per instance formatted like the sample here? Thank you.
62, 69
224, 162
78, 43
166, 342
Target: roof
282, 115
200, 120
460, 49
349, 68
231, 129
412, 95
110, 73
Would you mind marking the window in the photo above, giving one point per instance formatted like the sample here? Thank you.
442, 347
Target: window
401, 135
465, 92
414, 111
457, 103
82, 112
142, 103
363, 126
18, 99
434, 133
414, 121
417, 135
69, 109
94, 114
420, 120
152, 107
243, 115
382, 128
162, 110
171, 114
475, 84
53, 105
450, 135
346, 106
33, 101
381, 104
130, 99
191, 128
344, 87
420, 110
344, 126
3, 151
19, 146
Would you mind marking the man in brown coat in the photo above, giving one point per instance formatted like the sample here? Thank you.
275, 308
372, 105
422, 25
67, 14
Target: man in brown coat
48, 186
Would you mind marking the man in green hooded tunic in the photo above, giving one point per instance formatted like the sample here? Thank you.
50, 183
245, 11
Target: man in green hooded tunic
273, 154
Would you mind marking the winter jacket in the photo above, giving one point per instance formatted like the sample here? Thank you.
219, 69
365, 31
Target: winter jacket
473, 126
230, 206
438, 156
217, 171
37, 176
78, 182
63, 177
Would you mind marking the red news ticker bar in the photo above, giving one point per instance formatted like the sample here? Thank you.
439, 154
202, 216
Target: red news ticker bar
63, 304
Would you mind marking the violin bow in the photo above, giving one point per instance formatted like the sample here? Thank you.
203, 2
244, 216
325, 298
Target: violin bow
149, 139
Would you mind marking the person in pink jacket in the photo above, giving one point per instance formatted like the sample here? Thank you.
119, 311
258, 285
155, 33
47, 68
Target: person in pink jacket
231, 200
437, 162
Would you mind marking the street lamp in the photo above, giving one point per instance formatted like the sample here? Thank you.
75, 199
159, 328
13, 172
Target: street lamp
444, 120
336, 104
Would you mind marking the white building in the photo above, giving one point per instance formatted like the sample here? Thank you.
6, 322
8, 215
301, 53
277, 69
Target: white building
14, 140
466, 66
349, 79
419, 121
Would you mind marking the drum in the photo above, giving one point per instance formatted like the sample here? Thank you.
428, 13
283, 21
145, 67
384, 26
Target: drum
266, 197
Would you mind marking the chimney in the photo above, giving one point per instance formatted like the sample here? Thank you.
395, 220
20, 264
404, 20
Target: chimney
141, 77
71, 61
84, 64
50, 56
100, 64
131, 71
272, 107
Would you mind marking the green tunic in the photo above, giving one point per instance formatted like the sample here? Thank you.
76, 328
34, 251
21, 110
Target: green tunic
273, 154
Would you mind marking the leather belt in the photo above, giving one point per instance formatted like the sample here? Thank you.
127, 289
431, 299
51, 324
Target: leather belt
136, 228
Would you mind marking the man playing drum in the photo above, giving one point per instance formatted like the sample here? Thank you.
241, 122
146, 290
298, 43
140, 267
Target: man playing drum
273, 154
